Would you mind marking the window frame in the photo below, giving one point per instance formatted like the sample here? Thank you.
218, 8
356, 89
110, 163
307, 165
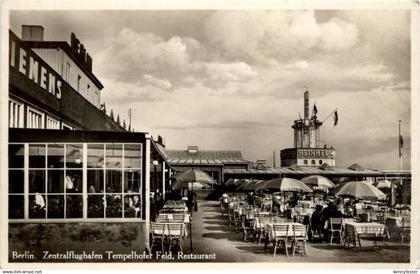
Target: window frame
84, 193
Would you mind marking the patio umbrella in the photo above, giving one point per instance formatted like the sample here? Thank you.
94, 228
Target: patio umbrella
190, 185
320, 182
361, 190
249, 185
382, 184
195, 175
284, 184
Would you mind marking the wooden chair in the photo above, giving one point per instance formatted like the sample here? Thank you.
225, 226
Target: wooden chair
280, 235
236, 220
405, 229
158, 232
175, 232
231, 216
162, 219
223, 208
336, 228
178, 218
299, 236
246, 227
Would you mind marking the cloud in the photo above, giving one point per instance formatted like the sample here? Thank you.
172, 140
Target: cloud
163, 84
264, 36
236, 72
132, 53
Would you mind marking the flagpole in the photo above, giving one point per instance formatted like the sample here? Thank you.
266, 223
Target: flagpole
329, 115
401, 151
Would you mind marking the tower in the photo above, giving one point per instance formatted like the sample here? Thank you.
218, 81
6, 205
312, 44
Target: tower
308, 150
306, 130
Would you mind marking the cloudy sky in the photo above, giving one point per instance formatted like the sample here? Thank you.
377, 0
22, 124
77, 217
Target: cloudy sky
232, 79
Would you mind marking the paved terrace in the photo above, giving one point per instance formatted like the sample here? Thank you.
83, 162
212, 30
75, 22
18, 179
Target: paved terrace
212, 234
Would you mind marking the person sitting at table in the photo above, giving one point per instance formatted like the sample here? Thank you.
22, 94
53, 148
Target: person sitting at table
316, 221
331, 211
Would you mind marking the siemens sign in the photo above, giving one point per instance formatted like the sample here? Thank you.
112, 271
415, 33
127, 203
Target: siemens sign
29, 64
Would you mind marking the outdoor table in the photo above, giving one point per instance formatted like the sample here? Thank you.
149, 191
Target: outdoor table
251, 215
353, 230
269, 229
170, 217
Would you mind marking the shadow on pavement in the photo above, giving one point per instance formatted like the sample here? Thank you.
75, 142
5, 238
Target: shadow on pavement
234, 237
225, 223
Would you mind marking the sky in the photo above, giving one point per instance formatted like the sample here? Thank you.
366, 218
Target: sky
234, 79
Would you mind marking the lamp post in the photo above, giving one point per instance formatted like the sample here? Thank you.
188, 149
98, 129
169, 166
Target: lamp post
155, 164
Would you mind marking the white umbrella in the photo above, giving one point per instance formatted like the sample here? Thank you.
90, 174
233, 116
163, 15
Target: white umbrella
284, 185
320, 182
361, 190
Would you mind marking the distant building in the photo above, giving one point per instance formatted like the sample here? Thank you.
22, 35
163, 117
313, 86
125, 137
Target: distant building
213, 162
307, 150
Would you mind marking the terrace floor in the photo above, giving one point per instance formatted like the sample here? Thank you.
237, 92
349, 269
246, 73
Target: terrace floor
213, 235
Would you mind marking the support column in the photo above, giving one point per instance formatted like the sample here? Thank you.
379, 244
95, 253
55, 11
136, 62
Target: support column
146, 173
163, 180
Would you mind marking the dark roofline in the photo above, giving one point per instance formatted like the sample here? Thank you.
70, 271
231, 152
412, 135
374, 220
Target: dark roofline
66, 47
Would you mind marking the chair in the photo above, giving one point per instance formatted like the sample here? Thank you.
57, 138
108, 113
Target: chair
280, 235
158, 232
299, 236
246, 227
175, 232
178, 218
336, 228
162, 219
236, 220
231, 216
405, 229
223, 208
262, 221
278, 220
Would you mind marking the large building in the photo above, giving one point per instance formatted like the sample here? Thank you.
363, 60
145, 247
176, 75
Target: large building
213, 162
307, 150
77, 179
51, 88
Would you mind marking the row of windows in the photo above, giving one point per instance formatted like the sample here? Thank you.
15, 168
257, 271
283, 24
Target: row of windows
75, 181
313, 162
34, 118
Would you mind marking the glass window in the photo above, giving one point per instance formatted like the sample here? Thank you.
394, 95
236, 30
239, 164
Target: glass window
16, 153
132, 156
132, 206
74, 206
37, 206
55, 156
15, 114
55, 206
16, 204
16, 181
74, 156
113, 181
96, 204
95, 181
35, 119
74, 181
37, 156
113, 206
52, 123
320, 162
313, 162
37, 181
95, 156
55, 181
114, 155
132, 181
305, 162
56, 184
